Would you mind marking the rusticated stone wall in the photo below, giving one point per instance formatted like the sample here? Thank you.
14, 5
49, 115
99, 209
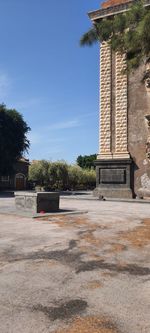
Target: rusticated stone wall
124, 108
121, 137
113, 105
105, 100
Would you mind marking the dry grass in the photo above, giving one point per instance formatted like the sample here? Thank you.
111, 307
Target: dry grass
2, 264
93, 285
117, 247
86, 249
62, 222
140, 236
95, 257
73, 221
68, 221
90, 238
86, 237
36, 264
89, 325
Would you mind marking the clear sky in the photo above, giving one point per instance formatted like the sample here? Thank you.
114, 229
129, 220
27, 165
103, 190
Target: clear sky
48, 77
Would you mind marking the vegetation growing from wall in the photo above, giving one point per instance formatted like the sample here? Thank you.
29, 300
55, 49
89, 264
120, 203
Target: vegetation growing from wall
61, 176
127, 32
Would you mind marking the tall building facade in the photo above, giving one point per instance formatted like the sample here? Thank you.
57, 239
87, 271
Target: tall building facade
123, 160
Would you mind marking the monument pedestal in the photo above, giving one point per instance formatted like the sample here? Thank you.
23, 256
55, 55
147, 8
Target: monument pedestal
37, 202
143, 193
113, 178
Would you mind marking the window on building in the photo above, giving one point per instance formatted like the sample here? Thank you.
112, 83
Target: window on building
5, 179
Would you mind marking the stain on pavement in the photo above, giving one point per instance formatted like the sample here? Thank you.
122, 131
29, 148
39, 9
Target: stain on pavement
64, 311
129, 268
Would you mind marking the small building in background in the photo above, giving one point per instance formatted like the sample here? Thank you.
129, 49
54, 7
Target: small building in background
18, 180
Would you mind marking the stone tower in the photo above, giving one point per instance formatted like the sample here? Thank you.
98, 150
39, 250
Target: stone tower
123, 160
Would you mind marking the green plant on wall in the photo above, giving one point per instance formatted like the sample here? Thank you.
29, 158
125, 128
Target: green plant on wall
127, 32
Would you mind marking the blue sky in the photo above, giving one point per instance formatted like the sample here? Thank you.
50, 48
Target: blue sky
48, 77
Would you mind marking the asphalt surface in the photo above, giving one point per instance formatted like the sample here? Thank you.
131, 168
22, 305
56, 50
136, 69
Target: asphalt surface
76, 273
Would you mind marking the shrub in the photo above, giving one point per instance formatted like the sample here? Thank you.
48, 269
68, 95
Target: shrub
61, 176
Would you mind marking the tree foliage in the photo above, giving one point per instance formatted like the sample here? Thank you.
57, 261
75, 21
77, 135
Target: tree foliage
13, 139
58, 175
127, 32
61, 176
86, 161
39, 170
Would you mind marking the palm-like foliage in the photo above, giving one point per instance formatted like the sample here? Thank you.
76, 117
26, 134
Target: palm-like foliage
127, 32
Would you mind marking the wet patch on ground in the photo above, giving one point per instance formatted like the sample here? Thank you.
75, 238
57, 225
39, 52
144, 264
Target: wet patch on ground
90, 325
91, 250
63, 311
66, 256
128, 268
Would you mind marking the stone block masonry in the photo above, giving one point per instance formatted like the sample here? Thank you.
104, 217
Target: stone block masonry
105, 100
37, 202
106, 110
121, 133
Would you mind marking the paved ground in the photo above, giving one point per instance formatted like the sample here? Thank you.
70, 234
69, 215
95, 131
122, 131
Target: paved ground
84, 273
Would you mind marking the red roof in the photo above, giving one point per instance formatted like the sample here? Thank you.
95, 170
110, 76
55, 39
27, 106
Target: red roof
111, 3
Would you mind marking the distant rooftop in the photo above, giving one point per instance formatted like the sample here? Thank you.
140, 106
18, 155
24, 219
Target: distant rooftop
111, 3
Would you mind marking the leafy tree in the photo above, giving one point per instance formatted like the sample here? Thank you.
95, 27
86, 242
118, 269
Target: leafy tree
75, 176
51, 175
61, 176
89, 178
58, 175
127, 32
80, 178
86, 161
13, 139
39, 172
52, 172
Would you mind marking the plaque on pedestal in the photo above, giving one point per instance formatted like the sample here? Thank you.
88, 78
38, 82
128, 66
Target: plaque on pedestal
113, 178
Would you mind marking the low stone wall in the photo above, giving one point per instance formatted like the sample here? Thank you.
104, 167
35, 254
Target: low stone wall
37, 202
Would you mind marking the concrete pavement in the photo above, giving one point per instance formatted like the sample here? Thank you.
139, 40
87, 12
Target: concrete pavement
76, 273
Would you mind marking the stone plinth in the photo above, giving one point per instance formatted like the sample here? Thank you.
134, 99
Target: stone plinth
113, 178
143, 193
37, 202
